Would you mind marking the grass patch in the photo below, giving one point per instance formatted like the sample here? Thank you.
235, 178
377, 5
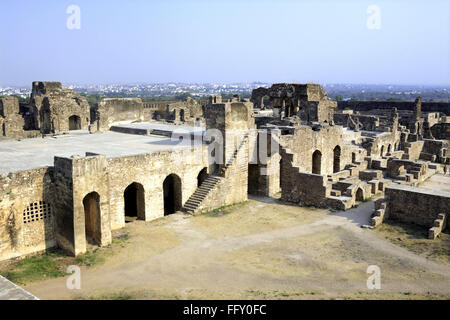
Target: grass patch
113, 296
54, 263
364, 295
415, 239
44, 266
90, 258
282, 294
121, 239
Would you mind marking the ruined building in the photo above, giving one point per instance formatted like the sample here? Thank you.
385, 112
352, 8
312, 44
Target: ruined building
116, 162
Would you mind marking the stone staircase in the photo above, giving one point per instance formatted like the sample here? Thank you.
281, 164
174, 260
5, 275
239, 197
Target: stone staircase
200, 194
194, 202
233, 157
379, 213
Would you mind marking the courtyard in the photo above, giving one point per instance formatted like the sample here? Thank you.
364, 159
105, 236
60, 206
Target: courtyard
260, 249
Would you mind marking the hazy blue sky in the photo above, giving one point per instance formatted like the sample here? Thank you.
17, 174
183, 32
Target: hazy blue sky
132, 41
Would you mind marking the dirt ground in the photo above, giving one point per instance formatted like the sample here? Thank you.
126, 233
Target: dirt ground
256, 250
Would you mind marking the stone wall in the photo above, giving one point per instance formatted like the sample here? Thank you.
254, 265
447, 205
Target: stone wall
58, 110
300, 187
150, 170
27, 219
116, 110
384, 144
417, 205
443, 107
306, 140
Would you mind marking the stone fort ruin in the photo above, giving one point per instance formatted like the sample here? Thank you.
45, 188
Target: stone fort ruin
71, 173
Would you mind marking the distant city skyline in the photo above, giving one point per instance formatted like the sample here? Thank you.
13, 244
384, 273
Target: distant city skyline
227, 42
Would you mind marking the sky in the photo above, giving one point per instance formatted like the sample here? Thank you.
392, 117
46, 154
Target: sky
226, 41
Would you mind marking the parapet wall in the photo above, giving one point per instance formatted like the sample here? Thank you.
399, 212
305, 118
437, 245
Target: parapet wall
115, 110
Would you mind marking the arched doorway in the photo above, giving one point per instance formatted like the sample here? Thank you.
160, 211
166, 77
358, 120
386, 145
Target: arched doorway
91, 204
359, 195
389, 149
74, 123
134, 202
203, 174
182, 115
337, 159
172, 194
316, 162
382, 151
45, 124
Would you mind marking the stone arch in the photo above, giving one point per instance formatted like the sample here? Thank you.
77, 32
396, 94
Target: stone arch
134, 202
389, 148
74, 122
45, 116
202, 175
359, 196
172, 194
317, 162
92, 219
336, 159
381, 151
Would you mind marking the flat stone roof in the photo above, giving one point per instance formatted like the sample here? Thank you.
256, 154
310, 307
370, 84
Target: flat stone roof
10, 291
437, 185
437, 182
35, 153
160, 126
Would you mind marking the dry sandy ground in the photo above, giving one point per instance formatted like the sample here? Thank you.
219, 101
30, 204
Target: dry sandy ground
261, 249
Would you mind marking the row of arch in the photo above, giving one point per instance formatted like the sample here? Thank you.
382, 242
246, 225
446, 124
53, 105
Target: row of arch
317, 161
388, 149
134, 203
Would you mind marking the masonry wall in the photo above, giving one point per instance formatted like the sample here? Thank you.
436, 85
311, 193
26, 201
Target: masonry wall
113, 110
305, 141
27, 215
417, 205
150, 170
443, 107
384, 143
300, 187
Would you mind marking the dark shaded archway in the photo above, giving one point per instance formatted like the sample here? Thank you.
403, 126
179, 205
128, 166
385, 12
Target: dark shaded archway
134, 202
359, 195
317, 162
172, 194
337, 159
382, 151
74, 123
353, 157
202, 175
92, 223
389, 149
182, 115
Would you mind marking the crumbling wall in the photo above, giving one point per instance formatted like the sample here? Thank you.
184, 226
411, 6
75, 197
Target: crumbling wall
114, 110
27, 219
306, 140
59, 110
12, 122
